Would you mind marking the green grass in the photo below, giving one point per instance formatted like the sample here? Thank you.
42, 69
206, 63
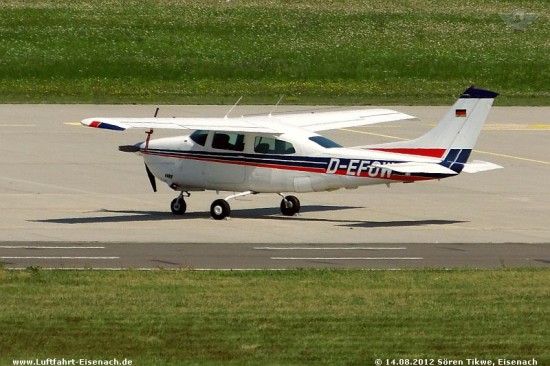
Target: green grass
320, 51
298, 317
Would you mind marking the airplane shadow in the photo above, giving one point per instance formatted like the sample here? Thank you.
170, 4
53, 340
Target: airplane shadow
401, 223
272, 213
137, 216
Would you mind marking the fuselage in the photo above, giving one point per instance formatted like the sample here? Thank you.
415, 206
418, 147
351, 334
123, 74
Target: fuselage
296, 161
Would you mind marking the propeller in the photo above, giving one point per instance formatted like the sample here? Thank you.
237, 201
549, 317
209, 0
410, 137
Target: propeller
151, 178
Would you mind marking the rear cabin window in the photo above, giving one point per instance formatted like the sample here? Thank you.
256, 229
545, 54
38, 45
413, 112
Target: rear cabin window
228, 141
199, 137
324, 142
269, 145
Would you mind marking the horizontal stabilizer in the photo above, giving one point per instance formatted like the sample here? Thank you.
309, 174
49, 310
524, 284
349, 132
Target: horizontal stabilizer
417, 168
477, 166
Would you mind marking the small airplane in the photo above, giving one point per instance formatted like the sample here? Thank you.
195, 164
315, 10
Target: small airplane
284, 153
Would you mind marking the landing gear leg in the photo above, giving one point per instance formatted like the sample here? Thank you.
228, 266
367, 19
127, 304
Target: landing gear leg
220, 209
290, 205
178, 205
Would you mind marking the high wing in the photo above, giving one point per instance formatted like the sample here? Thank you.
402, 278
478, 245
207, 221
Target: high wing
321, 121
260, 124
213, 123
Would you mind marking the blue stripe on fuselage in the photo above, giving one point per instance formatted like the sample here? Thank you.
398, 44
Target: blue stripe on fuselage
286, 160
344, 166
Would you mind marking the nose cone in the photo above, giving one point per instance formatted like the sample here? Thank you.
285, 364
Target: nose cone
135, 148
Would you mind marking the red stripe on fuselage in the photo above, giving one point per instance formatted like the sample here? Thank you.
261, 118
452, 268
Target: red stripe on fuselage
342, 172
428, 152
232, 162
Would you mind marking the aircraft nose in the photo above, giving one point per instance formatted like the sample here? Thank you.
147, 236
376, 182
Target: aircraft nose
132, 148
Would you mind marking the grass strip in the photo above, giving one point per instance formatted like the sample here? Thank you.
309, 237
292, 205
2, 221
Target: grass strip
315, 51
321, 317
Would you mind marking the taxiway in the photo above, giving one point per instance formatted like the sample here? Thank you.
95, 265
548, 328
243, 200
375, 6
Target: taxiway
65, 185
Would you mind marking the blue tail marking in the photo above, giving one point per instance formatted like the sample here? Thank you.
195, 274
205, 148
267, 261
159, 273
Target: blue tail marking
456, 158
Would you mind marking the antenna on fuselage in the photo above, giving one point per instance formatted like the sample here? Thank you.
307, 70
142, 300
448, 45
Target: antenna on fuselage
157, 112
276, 105
234, 105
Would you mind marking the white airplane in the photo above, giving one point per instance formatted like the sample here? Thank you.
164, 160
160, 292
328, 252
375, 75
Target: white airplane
283, 153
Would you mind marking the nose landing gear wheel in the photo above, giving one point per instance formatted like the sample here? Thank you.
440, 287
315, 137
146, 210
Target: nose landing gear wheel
220, 209
290, 206
178, 206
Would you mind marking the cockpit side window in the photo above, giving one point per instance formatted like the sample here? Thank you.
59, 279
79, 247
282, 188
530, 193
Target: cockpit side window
199, 137
228, 141
269, 145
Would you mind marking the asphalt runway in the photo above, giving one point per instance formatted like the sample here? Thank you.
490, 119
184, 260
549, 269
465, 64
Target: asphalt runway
248, 256
65, 187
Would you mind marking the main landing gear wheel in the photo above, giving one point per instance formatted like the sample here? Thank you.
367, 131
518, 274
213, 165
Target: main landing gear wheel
178, 206
220, 209
290, 206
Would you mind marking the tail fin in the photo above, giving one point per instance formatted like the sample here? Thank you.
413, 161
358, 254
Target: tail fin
454, 137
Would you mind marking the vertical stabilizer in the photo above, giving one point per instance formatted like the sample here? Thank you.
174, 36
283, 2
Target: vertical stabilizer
455, 135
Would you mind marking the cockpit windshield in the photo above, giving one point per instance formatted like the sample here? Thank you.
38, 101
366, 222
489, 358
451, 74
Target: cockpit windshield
324, 142
199, 137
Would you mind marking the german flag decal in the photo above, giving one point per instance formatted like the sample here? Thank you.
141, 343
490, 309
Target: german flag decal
460, 112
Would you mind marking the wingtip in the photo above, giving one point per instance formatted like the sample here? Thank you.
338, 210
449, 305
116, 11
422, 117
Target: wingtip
87, 122
98, 123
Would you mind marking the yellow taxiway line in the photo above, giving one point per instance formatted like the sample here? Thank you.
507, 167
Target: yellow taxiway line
541, 127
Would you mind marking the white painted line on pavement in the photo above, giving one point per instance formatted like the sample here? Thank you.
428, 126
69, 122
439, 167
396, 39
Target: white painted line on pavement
41, 247
59, 257
329, 248
345, 258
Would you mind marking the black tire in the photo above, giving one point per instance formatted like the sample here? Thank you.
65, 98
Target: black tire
220, 209
290, 206
178, 206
